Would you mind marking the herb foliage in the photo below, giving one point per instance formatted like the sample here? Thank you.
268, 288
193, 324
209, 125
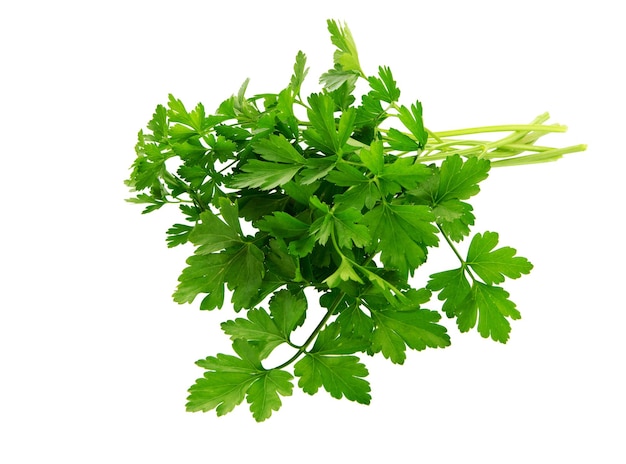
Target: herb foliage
346, 202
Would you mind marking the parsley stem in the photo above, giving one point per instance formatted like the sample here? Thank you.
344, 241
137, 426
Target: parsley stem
456, 252
540, 157
315, 332
433, 135
503, 128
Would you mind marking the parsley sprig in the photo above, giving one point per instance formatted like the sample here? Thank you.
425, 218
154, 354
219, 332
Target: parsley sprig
345, 203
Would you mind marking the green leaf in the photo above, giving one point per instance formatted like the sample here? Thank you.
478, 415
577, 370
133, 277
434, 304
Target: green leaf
198, 118
346, 54
221, 391
301, 193
328, 365
194, 174
455, 218
345, 175
492, 266
180, 133
341, 376
242, 268
335, 78
342, 95
177, 112
229, 379
257, 328
230, 213
459, 180
402, 173
264, 394
212, 234
288, 311
299, 73
355, 323
345, 127
143, 198
372, 157
222, 147
322, 228
282, 263
417, 329
384, 87
332, 341
412, 120
264, 175
149, 165
159, 124
479, 302
283, 225
255, 204
365, 194
244, 273
399, 141
445, 188
347, 230
203, 274
491, 306
267, 331
344, 272
316, 168
346, 57
325, 133
368, 116
404, 232
453, 288
277, 148
178, 234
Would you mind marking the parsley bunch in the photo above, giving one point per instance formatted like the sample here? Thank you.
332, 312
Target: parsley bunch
284, 197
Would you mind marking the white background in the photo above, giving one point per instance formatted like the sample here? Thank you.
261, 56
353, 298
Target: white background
96, 358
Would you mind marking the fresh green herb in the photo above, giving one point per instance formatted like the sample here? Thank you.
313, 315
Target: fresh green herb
342, 204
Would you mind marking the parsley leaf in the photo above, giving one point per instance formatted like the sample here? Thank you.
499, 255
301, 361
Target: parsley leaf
384, 87
347, 68
444, 189
417, 329
491, 306
404, 232
240, 265
178, 234
412, 120
330, 365
481, 301
493, 265
341, 376
277, 148
230, 378
267, 331
299, 73
325, 133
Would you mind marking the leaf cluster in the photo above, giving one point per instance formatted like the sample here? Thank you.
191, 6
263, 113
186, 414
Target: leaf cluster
343, 204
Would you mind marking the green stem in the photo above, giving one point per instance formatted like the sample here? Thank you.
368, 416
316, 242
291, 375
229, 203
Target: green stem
315, 332
433, 135
503, 128
540, 157
456, 252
